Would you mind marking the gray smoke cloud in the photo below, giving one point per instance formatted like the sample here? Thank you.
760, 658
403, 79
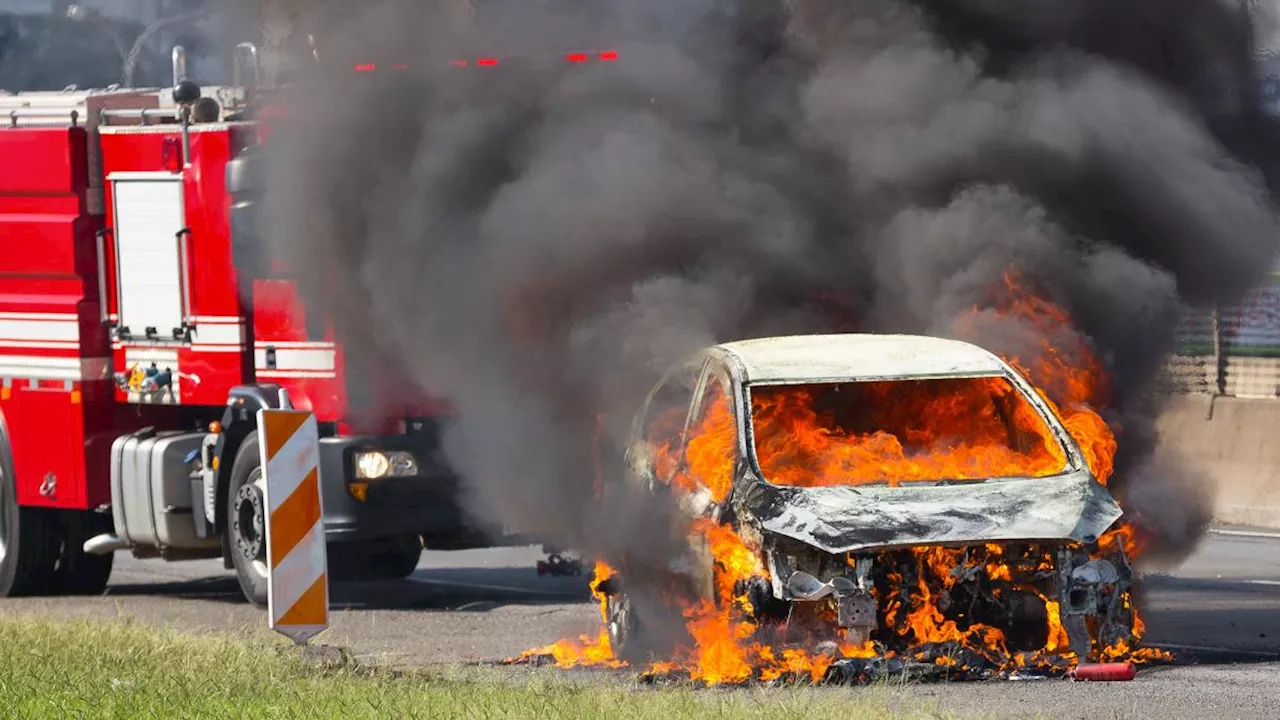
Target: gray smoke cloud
537, 244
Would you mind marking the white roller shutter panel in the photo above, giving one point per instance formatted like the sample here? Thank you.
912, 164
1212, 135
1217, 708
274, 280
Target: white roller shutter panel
148, 216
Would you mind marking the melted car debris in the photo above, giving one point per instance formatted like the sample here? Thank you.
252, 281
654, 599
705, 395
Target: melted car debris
841, 519
971, 666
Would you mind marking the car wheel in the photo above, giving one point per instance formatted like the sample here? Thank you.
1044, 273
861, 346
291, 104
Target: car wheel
246, 524
625, 630
630, 635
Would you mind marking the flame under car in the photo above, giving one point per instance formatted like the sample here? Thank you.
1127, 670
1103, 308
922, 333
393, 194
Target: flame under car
886, 494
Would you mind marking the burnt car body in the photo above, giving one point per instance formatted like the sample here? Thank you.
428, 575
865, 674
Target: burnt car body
844, 542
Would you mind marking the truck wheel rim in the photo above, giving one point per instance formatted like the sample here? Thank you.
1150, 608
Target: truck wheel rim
250, 523
259, 479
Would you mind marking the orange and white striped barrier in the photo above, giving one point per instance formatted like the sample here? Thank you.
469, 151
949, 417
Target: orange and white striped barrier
297, 574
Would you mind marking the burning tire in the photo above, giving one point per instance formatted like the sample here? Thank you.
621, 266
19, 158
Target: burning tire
645, 620
630, 623
624, 629
246, 526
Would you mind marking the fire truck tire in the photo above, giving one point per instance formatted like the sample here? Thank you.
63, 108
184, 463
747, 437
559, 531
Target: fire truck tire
391, 559
245, 521
401, 559
80, 573
29, 545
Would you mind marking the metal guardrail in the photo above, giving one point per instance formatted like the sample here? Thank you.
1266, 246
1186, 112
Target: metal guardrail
1231, 350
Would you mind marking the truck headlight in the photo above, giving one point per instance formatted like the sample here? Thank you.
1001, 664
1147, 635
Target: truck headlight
374, 464
403, 464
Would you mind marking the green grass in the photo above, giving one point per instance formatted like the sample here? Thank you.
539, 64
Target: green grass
117, 669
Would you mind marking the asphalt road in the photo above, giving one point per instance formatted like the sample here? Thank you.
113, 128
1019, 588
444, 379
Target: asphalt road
1219, 611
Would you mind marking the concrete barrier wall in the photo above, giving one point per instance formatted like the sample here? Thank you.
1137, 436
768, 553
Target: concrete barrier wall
1236, 442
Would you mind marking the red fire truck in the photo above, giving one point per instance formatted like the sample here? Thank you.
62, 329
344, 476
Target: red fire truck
140, 331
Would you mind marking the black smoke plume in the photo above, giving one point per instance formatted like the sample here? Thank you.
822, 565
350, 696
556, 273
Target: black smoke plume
538, 241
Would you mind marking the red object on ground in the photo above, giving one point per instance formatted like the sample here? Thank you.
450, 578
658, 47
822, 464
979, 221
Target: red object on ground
1104, 672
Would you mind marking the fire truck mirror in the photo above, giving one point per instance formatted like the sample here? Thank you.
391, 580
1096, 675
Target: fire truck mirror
246, 253
244, 182
244, 173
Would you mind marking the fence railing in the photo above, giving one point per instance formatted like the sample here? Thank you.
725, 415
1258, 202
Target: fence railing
1231, 350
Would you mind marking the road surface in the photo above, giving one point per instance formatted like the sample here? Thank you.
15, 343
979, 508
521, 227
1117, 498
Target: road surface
1219, 611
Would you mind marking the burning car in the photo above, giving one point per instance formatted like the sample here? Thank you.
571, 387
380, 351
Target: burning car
857, 496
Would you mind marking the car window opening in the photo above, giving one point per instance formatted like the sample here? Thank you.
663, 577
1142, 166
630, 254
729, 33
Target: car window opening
896, 431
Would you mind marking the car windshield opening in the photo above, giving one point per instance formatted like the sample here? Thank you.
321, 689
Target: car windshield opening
894, 431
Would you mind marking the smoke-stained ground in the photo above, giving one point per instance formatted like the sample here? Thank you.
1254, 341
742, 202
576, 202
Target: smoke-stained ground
538, 241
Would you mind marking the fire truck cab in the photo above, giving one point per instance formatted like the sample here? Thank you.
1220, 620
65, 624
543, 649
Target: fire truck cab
140, 331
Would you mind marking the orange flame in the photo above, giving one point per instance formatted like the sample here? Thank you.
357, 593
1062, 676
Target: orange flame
710, 452
900, 431
723, 649
1071, 380
584, 650
954, 428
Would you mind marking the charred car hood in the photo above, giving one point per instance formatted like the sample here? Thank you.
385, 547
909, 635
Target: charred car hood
844, 519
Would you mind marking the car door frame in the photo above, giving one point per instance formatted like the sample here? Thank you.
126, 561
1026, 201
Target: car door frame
641, 469
716, 370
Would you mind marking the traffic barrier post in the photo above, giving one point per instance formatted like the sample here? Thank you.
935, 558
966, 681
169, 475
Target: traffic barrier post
297, 572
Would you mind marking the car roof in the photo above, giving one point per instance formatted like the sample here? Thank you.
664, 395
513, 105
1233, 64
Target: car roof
822, 358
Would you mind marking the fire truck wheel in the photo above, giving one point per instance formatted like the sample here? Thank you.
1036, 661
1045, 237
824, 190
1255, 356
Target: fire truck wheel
246, 524
399, 560
80, 573
28, 546
387, 559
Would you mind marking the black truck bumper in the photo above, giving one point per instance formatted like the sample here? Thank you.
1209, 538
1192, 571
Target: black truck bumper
426, 504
